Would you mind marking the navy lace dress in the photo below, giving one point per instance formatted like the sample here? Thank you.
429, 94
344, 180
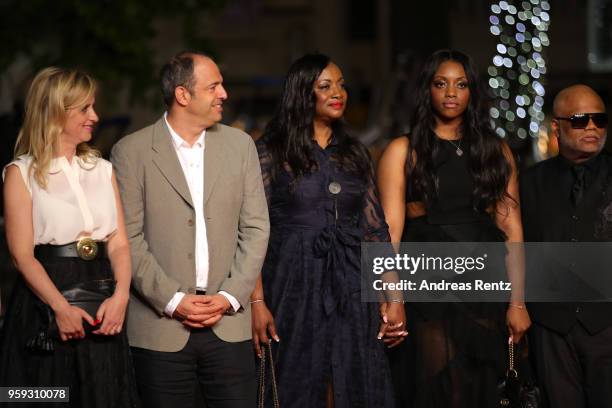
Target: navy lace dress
311, 280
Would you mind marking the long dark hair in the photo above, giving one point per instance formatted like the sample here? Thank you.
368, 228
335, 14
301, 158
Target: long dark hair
489, 168
289, 135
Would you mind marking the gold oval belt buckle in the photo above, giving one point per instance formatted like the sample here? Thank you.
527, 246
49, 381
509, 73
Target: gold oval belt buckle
87, 249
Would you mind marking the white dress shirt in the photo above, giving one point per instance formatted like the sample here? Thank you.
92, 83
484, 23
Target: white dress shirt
191, 159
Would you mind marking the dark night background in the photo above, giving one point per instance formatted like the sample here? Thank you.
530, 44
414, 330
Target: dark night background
379, 45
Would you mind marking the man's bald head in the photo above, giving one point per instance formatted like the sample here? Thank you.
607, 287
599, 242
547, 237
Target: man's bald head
578, 144
569, 100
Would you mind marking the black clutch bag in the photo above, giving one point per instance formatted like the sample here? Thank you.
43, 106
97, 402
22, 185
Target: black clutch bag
87, 295
515, 391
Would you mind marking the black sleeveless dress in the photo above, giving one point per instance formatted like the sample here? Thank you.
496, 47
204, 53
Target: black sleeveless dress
454, 355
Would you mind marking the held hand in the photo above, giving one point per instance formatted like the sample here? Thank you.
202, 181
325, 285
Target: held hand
392, 329
209, 322
518, 321
216, 302
69, 321
198, 311
263, 323
111, 314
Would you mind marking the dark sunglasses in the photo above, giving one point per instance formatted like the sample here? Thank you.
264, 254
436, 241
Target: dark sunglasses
581, 120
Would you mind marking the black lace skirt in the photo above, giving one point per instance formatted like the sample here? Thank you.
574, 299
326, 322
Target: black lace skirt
98, 369
455, 354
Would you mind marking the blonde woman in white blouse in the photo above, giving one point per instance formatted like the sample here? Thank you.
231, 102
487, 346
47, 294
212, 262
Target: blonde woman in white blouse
61, 200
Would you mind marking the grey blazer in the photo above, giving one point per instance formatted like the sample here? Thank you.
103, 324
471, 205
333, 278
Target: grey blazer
160, 223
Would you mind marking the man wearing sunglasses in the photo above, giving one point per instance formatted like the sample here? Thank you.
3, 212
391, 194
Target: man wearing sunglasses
563, 200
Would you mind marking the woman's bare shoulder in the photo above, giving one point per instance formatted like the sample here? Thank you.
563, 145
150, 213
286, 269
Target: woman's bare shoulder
397, 149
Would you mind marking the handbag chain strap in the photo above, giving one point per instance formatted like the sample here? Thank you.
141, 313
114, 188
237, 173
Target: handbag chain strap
511, 370
262, 377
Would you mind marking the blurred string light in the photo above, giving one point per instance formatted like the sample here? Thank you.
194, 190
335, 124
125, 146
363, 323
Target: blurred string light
516, 77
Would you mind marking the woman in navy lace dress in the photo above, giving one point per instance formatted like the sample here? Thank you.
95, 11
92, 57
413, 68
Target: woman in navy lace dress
323, 203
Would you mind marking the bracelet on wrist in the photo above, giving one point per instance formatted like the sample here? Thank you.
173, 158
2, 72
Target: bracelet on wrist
256, 301
517, 306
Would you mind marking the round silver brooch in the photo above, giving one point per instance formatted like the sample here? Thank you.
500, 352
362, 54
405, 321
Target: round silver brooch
334, 187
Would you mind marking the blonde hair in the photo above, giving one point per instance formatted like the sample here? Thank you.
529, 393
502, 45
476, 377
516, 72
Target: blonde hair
52, 93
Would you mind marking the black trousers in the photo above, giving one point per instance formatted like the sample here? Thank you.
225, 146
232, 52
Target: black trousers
207, 372
575, 369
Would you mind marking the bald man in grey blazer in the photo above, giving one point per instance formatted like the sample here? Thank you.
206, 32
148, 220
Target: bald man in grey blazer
197, 219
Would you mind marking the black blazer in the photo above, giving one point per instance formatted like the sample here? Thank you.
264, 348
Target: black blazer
549, 216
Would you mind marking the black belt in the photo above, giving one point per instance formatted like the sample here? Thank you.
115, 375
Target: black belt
86, 249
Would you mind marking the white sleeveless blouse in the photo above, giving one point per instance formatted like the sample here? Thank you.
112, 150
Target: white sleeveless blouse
79, 200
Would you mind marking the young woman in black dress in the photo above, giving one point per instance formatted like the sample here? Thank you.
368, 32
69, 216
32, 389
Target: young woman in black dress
451, 179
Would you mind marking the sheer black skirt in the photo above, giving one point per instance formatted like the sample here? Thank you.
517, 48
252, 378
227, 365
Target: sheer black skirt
454, 355
98, 369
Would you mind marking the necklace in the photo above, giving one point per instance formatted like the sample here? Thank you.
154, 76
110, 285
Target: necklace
459, 151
